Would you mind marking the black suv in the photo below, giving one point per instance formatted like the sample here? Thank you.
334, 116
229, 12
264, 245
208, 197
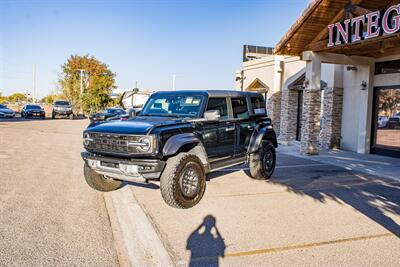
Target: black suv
62, 108
178, 138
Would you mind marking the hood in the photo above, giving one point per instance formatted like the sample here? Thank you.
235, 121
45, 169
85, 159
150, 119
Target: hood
101, 114
6, 110
137, 125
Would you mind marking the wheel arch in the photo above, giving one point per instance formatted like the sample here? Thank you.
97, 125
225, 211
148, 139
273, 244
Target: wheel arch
186, 142
259, 135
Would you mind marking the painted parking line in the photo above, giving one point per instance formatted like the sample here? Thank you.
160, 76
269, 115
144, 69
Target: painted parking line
311, 189
296, 247
277, 167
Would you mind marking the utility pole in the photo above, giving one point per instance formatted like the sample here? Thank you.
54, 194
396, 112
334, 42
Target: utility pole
173, 81
81, 95
34, 83
81, 73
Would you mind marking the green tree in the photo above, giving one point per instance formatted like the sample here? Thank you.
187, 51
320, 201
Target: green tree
3, 99
17, 97
49, 99
98, 82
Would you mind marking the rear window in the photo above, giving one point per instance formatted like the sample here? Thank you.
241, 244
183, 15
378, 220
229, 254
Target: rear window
258, 105
239, 108
61, 103
220, 105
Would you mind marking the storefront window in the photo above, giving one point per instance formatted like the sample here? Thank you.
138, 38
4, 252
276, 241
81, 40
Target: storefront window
388, 118
387, 67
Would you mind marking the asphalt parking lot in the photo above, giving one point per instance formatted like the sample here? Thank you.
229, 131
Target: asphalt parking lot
308, 214
48, 215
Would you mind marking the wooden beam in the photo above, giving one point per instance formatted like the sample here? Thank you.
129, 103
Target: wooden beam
337, 18
387, 41
360, 11
333, 58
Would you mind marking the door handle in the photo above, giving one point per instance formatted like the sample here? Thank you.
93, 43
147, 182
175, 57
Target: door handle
229, 129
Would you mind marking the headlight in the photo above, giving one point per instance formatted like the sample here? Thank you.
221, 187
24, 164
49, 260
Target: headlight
143, 144
87, 139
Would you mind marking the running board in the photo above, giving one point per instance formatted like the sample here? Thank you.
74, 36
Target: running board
221, 164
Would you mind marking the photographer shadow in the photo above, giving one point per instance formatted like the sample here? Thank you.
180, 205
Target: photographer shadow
206, 244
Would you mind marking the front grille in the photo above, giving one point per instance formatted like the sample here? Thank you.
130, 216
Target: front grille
111, 143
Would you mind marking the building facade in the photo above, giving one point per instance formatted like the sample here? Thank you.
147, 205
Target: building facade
333, 80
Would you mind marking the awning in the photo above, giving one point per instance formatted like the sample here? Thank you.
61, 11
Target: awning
310, 31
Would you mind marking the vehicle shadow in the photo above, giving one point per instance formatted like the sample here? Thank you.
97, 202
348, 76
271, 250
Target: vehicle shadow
205, 243
149, 185
374, 197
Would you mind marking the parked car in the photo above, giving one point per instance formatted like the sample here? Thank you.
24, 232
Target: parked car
107, 114
382, 121
178, 138
62, 108
6, 112
33, 111
393, 122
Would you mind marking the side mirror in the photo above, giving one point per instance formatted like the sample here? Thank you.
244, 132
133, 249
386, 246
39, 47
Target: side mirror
212, 115
134, 112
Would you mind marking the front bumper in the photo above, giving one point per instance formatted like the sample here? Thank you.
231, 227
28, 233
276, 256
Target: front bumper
7, 115
124, 169
62, 112
36, 115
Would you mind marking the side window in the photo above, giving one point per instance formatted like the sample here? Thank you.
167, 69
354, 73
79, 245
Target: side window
218, 104
239, 108
258, 105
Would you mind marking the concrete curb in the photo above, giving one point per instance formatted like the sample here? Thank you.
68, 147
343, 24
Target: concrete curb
136, 241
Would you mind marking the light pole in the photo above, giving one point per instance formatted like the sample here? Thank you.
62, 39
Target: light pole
173, 81
81, 94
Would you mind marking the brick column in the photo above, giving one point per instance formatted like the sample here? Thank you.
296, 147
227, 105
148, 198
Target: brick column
310, 128
287, 133
274, 110
332, 118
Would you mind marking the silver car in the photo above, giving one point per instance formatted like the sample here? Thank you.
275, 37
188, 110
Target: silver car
6, 112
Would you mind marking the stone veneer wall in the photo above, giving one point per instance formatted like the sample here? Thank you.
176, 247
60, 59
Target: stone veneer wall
274, 110
310, 127
332, 117
288, 127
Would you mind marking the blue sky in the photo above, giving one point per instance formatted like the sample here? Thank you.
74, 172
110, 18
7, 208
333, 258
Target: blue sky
145, 41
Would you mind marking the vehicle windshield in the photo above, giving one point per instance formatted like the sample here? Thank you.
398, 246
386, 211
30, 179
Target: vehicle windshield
173, 105
33, 107
61, 103
112, 111
2, 106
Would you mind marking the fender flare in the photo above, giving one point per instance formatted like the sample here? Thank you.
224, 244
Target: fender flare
174, 143
260, 134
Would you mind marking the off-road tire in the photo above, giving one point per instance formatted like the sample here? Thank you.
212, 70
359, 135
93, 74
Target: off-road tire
99, 182
171, 180
258, 169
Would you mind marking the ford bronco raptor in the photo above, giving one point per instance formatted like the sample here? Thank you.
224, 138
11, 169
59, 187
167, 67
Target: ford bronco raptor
178, 138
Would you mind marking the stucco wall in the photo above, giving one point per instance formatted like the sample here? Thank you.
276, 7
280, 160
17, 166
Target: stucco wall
357, 108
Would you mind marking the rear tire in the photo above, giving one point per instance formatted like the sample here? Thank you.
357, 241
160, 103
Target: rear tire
99, 182
262, 163
183, 181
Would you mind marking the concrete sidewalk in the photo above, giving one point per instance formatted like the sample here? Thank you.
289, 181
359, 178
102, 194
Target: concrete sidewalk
381, 166
308, 214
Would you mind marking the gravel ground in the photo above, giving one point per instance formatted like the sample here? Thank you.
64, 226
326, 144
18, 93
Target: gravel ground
48, 215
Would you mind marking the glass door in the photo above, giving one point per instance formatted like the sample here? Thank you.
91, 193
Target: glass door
299, 114
386, 121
